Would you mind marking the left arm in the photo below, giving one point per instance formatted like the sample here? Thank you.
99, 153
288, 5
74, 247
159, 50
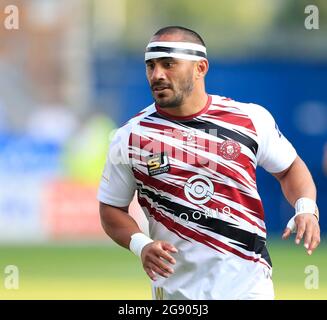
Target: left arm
296, 182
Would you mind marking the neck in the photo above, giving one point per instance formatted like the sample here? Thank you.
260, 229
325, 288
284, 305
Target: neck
191, 105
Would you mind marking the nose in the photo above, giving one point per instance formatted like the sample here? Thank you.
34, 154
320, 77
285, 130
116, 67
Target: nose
157, 73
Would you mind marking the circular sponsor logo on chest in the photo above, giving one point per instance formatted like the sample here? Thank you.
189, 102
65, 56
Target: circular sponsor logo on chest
199, 189
230, 149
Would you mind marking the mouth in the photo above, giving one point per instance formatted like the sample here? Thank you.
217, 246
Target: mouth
159, 88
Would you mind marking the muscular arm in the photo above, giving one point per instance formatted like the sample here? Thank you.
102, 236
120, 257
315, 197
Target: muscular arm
296, 182
120, 226
117, 224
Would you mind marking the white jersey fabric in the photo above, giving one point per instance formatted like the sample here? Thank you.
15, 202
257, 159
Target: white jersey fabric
196, 184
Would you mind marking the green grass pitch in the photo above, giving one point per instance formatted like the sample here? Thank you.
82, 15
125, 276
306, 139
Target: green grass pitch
105, 271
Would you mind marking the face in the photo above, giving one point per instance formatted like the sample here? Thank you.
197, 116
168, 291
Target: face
171, 80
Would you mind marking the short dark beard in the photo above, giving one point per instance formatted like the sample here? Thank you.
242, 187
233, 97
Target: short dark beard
184, 92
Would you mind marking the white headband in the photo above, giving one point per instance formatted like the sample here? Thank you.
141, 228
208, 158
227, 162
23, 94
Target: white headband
179, 50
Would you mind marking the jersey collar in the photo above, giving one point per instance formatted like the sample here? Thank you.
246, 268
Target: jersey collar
191, 116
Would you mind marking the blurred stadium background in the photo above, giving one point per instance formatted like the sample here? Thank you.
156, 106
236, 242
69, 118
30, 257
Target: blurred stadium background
74, 71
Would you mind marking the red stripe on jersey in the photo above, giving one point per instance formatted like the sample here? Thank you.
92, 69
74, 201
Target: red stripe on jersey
239, 119
194, 159
238, 214
158, 126
159, 185
203, 238
138, 114
232, 173
230, 118
175, 227
197, 160
168, 131
147, 144
230, 192
213, 204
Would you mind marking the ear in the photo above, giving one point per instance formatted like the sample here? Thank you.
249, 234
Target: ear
201, 68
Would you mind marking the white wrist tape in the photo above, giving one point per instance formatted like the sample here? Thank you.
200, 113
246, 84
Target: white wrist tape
138, 242
303, 205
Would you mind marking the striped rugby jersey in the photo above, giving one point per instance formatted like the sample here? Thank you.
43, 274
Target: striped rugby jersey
196, 184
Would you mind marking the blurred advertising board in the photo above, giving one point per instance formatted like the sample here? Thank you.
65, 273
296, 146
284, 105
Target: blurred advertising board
71, 211
39, 202
20, 211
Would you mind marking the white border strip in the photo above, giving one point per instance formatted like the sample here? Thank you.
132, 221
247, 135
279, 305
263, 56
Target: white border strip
156, 55
178, 45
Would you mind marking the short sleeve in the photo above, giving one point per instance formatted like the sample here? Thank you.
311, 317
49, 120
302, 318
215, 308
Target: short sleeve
117, 185
275, 152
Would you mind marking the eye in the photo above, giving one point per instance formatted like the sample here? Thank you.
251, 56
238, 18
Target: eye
150, 66
168, 64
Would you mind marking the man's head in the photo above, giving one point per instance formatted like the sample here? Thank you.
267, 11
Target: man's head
176, 65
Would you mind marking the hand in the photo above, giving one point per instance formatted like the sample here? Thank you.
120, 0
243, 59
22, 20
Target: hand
153, 256
306, 224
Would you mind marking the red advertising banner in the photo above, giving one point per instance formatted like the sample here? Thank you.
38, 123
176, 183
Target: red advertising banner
70, 211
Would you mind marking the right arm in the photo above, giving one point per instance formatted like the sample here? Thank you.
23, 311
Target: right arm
116, 191
117, 224
120, 226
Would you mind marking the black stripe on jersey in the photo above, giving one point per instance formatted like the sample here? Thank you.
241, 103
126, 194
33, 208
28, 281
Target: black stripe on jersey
216, 130
243, 239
